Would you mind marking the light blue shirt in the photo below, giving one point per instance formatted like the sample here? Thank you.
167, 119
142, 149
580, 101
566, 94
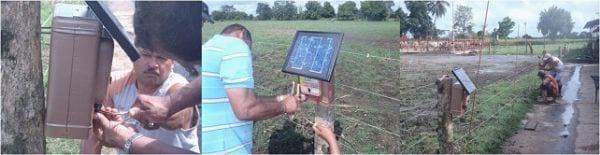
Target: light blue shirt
226, 64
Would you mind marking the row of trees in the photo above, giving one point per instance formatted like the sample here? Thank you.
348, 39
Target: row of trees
420, 22
313, 10
228, 12
553, 23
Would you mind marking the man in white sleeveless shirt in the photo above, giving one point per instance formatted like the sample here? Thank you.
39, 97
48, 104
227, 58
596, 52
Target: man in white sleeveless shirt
151, 75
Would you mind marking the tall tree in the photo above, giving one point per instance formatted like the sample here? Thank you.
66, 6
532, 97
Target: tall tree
402, 18
313, 10
437, 9
462, 21
285, 10
419, 22
373, 10
504, 27
228, 12
389, 12
22, 85
228, 8
555, 22
328, 11
347, 11
264, 11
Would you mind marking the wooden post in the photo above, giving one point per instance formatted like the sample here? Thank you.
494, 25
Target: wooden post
323, 115
445, 125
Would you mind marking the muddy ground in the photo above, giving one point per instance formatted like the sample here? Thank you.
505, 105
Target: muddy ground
568, 126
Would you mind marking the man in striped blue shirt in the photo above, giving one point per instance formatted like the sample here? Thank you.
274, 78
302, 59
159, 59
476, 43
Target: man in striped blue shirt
229, 105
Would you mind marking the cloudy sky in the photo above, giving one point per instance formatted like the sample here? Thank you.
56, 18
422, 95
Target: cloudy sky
520, 11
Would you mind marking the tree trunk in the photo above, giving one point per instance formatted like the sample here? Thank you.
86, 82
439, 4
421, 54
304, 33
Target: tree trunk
22, 86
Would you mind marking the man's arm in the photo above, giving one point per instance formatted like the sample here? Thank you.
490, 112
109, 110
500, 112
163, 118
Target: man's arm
145, 145
157, 109
328, 135
247, 106
181, 119
90, 145
114, 134
187, 96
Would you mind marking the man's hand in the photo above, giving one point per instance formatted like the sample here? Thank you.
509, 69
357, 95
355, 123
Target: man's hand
292, 104
111, 132
151, 109
323, 131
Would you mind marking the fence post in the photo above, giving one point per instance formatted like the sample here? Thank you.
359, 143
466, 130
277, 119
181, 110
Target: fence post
323, 115
445, 125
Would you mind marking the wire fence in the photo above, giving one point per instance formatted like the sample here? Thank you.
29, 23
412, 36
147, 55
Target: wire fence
416, 110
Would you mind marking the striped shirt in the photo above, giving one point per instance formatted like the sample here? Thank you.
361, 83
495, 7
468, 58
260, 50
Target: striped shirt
226, 64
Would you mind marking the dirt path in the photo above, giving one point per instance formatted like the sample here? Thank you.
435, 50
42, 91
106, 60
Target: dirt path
586, 139
568, 126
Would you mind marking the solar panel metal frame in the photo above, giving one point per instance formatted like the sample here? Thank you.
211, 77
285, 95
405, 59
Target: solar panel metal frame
326, 76
464, 80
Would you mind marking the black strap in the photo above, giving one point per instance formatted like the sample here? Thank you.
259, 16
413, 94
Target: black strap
115, 28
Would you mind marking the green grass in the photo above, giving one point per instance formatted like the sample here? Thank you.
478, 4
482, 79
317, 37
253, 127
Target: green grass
553, 48
357, 35
62, 146
500, 109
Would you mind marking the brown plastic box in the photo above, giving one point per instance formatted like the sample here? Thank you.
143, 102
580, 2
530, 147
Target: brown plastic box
458, 102
79, 73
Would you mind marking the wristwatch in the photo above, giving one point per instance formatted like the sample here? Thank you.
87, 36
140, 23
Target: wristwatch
129, 142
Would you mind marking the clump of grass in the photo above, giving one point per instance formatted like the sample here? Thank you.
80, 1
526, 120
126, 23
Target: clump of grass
500, 108
62, 146
551, 47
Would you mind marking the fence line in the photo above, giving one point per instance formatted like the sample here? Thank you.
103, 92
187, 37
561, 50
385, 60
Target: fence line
344, 51
368, 91
423, 112
370, 125
498, 93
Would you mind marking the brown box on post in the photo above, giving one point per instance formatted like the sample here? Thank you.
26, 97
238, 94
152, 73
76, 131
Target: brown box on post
327, 92
458, 100
104, 66
78, 75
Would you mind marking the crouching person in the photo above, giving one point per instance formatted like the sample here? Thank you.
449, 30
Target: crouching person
549, 87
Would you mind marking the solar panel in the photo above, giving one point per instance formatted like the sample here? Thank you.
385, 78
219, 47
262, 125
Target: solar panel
464, 80
313, 54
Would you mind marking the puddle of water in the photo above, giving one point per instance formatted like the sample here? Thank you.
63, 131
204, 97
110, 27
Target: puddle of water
569, 95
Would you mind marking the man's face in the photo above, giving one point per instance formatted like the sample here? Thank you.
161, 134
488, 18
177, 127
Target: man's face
152, 68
